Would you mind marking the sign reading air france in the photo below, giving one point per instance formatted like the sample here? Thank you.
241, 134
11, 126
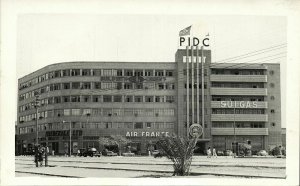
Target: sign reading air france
192, 41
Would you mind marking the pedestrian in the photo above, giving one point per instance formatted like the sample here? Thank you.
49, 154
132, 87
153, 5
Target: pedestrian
53, 152
78, 152
40, 155
214, 153
208, 152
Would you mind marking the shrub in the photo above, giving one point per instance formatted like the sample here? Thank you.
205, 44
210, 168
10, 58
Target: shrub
179, 151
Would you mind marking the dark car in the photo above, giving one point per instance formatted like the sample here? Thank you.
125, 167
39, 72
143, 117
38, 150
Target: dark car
89, 152
157, 154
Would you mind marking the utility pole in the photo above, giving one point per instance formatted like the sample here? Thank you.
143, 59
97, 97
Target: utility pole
36, 105
70, 136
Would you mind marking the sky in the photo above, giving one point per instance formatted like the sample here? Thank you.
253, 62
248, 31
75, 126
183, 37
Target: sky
44, 39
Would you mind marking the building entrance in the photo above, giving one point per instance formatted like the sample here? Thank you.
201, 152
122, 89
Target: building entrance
200, 148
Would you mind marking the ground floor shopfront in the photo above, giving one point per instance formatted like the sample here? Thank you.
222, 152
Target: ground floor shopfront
58, 142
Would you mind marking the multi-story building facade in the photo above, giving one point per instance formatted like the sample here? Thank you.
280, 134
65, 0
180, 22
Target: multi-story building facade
144, 101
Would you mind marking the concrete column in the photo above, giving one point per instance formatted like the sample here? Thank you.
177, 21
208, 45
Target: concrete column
197, 91
187, 92
193, 82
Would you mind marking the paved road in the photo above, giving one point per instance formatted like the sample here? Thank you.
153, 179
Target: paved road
150, 167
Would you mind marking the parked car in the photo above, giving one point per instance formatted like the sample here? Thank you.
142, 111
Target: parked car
157, 154
109, 153
220, 153
262, 153
228, 153
90, 152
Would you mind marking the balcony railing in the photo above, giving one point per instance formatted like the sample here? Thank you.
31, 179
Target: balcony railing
239, 91
239, 117
238, 78
240, 131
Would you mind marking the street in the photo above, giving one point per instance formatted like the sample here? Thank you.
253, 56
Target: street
144, 166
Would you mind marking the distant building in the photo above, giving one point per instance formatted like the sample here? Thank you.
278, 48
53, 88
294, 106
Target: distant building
146, 100
283, 136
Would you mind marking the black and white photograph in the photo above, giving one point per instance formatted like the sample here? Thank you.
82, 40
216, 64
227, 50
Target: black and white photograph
104, 97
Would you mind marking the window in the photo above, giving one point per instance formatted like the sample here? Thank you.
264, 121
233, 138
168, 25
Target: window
128, 86
119, 73
86, 98
97, 85
57, 100
273, 124
148, 72
86, 72
66, 85
271, 72
148, 125
128, 112
159, 98
66, 99
169, 125
138, 99
138, 73
66, 72
159, 73
128, 72
86, 85
170, 99
76, 112
117, 98
272, 97
138, 125
67, 112
86, 112
272, 111
75, 85
75, 98
107, 98
96, 72
128, 125
149, 99
169, 73
96, 98
57, 74
75, 72
272, 85
128, 99
160, 86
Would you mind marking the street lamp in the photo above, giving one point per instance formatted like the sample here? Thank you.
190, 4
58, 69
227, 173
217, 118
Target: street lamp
70, 128
36, 105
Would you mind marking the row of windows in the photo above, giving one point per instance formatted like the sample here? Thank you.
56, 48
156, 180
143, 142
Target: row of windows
99, 98
238, 111
95, 72
238, 125
98, 125
110, 112
237, 72
237, 85
237, 98
97, 85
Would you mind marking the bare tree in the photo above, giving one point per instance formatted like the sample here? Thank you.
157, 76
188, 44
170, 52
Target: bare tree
179, 151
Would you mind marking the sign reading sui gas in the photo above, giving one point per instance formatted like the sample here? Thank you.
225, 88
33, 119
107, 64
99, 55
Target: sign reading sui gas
238, 104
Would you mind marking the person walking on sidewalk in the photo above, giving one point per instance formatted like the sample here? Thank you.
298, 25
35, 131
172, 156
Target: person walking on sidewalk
208, 152
214, 153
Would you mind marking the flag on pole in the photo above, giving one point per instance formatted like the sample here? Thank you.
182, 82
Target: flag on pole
185, 31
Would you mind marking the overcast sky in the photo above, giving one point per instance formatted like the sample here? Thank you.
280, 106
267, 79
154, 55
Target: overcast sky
44, 39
